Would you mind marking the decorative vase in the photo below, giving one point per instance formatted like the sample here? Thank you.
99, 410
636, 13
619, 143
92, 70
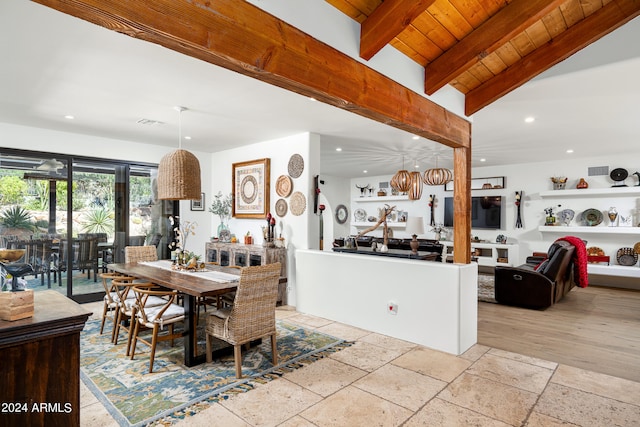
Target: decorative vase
582, 184
613, 214
224, 235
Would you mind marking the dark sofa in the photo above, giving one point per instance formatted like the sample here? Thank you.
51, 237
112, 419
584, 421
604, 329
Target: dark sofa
425, 245
539, 283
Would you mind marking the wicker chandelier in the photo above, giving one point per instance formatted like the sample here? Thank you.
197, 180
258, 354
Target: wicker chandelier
415, 189
401, 181
437, 176
179, 172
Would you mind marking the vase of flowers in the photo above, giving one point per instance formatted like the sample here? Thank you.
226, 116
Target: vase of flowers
221, 206
181, 232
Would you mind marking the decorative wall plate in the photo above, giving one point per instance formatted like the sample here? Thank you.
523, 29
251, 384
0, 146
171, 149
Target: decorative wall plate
592, 217
360, 215
296, 165
342, 214
284, 185
619, 175
565, 216
281, 207
627, 257
298, 203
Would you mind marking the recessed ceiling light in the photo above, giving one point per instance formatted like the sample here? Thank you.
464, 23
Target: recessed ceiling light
187, 137
365, 171
529, 119
483, 160
312, 99
569, 151
338, 149
69, 116
415, 137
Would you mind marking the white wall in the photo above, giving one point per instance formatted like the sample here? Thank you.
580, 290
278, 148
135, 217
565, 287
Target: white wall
299, 232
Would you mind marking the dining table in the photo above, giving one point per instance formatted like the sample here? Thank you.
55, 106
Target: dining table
209, 282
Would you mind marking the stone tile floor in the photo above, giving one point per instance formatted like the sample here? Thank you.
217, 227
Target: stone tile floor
382, 381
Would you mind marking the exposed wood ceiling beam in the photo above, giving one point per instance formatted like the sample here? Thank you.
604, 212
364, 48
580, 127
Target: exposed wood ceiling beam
241, 37
386, 22
611, 16
510, 21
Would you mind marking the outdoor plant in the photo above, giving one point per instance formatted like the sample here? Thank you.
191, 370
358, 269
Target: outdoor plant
98, 221
17, 217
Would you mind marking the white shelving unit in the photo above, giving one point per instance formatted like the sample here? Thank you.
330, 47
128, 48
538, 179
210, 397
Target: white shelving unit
489, 253
593, 192
618, 192
588, 230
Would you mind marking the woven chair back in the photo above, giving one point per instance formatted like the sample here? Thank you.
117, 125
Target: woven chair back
253, 312
134, 254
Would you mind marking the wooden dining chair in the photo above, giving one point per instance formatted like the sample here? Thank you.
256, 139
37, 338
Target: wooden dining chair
252, 315
155, 317
126, 310
110, 301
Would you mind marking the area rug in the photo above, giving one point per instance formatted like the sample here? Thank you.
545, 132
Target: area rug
486, 292
173, 391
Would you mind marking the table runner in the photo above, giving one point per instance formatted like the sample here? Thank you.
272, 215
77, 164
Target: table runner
216, 276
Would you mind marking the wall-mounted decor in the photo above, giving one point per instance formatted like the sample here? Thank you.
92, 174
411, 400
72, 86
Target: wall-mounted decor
198, 205
296, 165
298, 203
342, 214
284, 185
490, 183
281, 207
251, 189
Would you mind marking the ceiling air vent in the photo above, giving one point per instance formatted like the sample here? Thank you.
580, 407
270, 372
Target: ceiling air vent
149, 122
598, 170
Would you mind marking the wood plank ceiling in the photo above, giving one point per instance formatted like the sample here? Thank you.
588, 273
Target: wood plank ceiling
484, 48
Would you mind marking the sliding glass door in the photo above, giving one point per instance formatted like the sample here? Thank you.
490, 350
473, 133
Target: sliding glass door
83, 210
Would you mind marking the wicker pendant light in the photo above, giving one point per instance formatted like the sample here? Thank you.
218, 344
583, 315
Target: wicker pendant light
437, 176
401, 181
179, 172
415, 190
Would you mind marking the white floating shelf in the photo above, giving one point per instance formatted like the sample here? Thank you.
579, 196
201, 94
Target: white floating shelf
389, 224
588, 230
614, 270
591, 192
381, 198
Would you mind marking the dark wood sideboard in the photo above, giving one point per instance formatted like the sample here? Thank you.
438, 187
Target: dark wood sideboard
40, 364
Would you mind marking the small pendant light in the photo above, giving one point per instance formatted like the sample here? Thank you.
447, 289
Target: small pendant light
179, 172
401, 181
437, 176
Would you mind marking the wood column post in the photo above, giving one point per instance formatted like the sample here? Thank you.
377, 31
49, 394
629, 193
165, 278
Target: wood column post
462, 205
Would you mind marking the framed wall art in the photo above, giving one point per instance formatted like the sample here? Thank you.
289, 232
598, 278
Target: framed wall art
198, 205
251, 188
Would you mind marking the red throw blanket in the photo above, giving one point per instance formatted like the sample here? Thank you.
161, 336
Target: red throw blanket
579, 260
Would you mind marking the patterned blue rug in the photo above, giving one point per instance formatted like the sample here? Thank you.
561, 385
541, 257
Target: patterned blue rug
173, 392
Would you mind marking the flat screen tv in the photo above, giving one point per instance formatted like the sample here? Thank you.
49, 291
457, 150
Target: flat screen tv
486, 212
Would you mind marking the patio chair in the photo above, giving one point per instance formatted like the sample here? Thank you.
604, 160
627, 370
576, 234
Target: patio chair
87, 258
252, 315
150, 315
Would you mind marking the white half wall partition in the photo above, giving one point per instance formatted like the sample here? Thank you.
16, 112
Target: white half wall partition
436, 304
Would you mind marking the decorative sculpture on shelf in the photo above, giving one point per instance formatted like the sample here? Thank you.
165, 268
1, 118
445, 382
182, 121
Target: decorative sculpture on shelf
363, 189
385, 231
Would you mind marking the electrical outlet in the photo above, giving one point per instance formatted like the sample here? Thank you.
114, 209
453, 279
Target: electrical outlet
392, 308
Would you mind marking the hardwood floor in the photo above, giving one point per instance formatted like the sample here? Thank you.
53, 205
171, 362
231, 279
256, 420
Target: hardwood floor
595, 328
